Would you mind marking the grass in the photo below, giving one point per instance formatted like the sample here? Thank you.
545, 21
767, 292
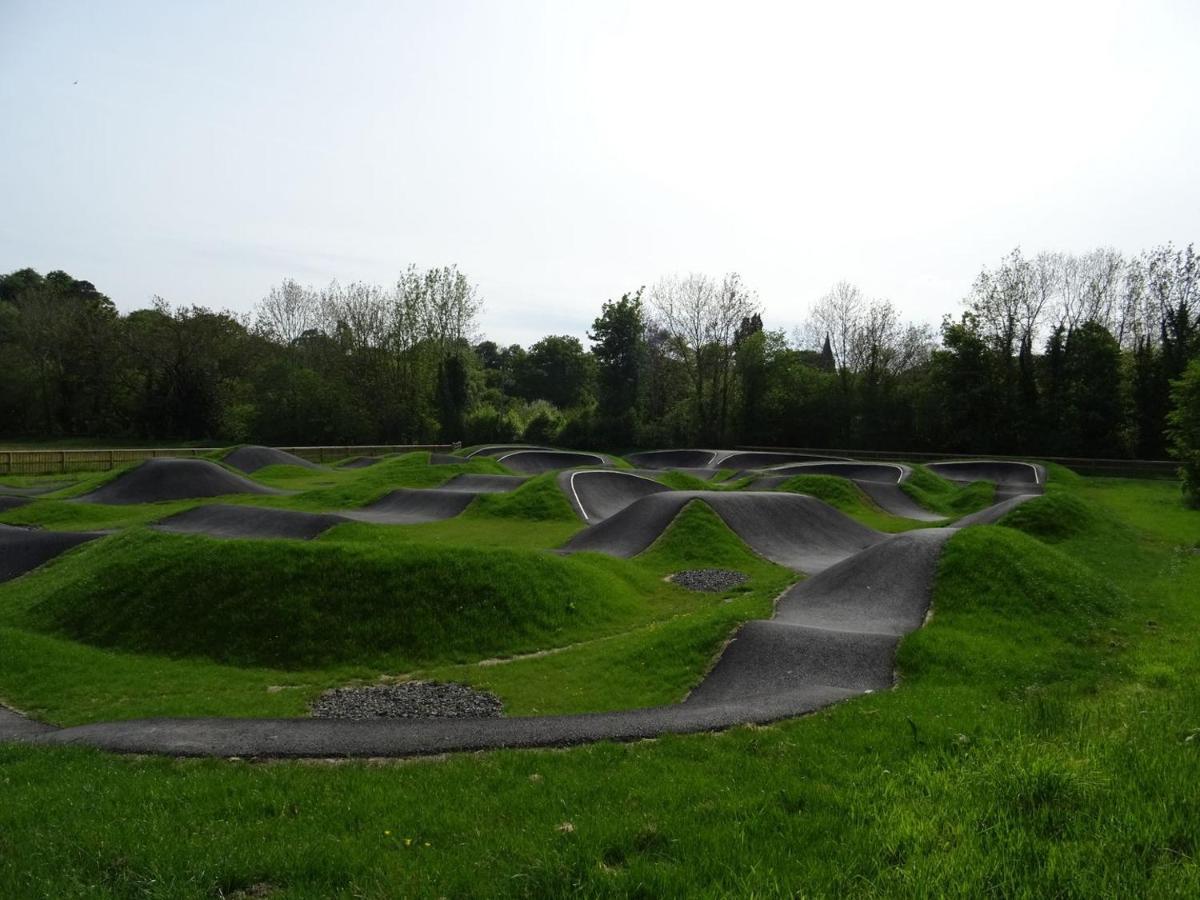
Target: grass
297, 605
538, 499
946, 497
1044, 741
649, 665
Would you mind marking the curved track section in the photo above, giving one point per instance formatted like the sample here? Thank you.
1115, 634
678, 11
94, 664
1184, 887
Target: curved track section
534, 462
597, 494
411, 506
501, 449
227, 521
252, 457
757, 459
1010, 477
793, 530
879, 481
173, 479
9, 502
360, 462
673, 459
833, 637
774, 669
484, 484
22, 549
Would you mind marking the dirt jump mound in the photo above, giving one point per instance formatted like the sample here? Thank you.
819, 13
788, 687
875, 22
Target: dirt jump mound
251, 458
174, 479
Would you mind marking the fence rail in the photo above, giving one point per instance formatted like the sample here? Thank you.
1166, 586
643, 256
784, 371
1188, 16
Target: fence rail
1116, 468
51, 462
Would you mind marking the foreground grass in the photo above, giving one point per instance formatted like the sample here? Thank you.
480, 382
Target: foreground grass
1044, 742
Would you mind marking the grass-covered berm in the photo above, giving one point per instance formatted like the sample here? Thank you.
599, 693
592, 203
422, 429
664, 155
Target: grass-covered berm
1043, 739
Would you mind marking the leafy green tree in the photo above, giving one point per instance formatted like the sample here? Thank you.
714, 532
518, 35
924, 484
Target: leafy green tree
619, 348
1184, 430
963, 380
558, 370
1094, 410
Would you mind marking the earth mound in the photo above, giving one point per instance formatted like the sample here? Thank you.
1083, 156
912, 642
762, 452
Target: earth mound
173, 479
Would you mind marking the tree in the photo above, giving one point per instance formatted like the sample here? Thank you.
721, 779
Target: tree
701, 316
1184, 430
1093, 416
619, 348
558, 370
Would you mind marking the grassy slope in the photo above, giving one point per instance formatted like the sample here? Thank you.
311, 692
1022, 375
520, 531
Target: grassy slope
295, 604
1044, 742
648, 665
941, 496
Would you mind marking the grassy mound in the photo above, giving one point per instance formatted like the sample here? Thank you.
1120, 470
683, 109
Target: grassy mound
699, 538
1054, 517
294, 605
840, 493
941, 496
1009, 611
538, 499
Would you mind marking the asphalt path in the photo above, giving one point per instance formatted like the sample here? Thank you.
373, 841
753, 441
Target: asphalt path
228, 521
252, 457
1011, 478
22, 549
597, 494
174, 479
534, 462
832, 637
879, 481
793, 530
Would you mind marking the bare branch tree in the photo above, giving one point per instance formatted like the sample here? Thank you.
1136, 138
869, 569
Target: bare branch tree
287, 312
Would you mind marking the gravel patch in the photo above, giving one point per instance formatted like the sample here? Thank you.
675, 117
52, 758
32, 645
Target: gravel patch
407, 700
708, 579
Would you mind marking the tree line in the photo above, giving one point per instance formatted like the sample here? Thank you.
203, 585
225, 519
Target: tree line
1055, 354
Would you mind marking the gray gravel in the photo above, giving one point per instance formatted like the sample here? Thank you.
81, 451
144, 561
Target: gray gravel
408, 700
708, 579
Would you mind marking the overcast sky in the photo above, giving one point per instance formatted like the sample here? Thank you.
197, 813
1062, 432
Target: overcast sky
562, 153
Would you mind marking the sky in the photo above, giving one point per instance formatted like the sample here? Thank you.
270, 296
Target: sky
562, 153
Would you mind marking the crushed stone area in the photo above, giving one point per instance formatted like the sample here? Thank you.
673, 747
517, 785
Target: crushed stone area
408, 700
711, 580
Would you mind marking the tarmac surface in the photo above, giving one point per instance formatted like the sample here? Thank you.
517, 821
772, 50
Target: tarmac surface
1011, 478
22, 549
173, 479
534, 462
879, 481
793, 530
10, 502
360, 462
596, 494
832, 636
252, 457
220, 520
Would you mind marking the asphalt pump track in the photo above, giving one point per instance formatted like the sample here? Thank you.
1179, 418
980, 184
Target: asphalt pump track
832, 637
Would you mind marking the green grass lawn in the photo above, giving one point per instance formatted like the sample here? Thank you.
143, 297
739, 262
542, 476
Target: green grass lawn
1044, 739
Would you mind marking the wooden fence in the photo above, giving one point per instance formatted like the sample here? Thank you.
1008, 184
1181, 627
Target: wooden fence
49, 462
1115, 468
